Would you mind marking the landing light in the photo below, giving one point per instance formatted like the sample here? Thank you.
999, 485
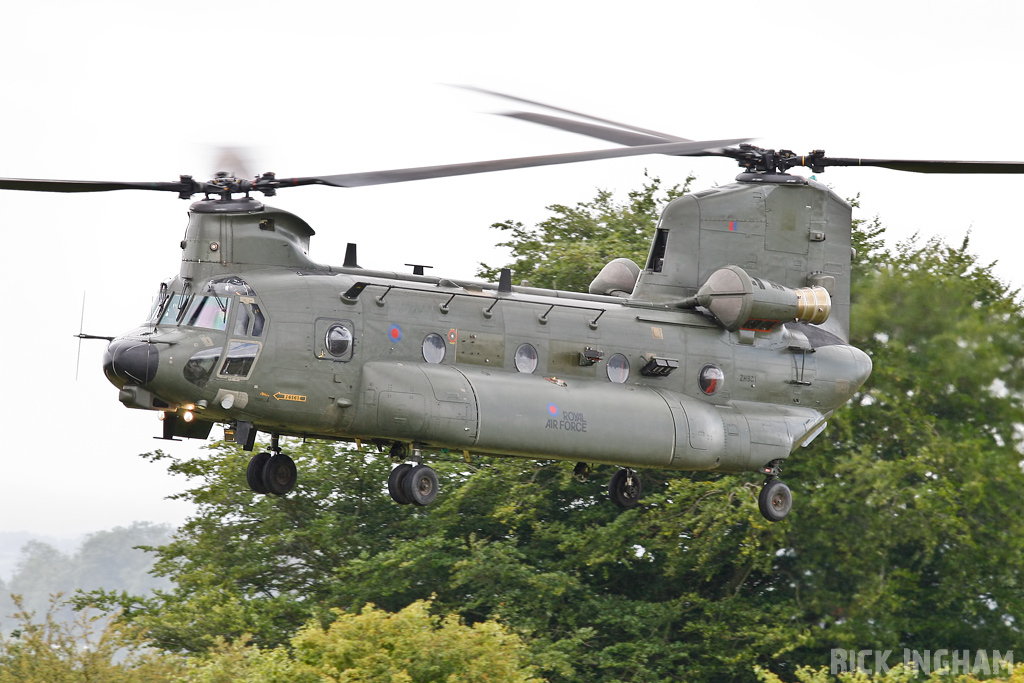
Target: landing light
187, 416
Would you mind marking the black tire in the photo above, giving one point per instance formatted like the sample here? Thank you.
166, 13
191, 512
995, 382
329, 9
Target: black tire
625, 489
254, 473
279, 474
420, 485
396, 480
775, 501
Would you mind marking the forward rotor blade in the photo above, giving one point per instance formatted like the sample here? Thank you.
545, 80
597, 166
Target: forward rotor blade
653, 133
33, 185
425, 172
932, 166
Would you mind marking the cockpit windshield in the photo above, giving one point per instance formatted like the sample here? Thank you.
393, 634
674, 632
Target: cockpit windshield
210, 309
207, 311
158, 305
210, 312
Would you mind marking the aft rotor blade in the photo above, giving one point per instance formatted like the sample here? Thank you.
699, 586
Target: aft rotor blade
652, 133
931, 166
618, 135
425, 172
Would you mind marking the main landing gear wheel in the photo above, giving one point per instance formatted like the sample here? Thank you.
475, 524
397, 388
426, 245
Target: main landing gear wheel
420, 485
775, 500
396, 482
279, 474
625, 488
254, 472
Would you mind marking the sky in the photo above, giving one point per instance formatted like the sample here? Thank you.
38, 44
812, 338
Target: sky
148, 91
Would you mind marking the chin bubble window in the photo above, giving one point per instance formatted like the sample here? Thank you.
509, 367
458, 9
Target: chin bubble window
200, 366
618, 368
526, 358
433, 348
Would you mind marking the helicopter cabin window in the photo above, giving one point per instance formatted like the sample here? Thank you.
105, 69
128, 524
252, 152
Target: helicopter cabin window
242, 320
334, 340
249, 320
526, 358
618, 368
239, 359
338, 341
257, 321
433, 348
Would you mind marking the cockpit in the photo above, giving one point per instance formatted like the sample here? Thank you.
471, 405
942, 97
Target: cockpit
226, 304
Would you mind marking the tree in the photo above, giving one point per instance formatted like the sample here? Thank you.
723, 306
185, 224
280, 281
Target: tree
904, 534
568, 250
89, 648
913, 543
106, 559
595, 594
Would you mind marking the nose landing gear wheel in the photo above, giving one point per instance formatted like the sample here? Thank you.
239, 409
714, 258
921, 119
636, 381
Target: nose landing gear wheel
254, 473
775, 500
420, 485
625, 488
279, 474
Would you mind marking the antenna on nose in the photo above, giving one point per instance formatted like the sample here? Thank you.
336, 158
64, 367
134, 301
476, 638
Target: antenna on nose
81, 336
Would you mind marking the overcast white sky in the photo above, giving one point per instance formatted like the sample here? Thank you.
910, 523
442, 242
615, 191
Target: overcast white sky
144, 91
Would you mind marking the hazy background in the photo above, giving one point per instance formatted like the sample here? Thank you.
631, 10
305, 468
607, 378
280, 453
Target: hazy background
146, 91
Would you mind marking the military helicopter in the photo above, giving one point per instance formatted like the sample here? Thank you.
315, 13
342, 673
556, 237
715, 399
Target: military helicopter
726, 352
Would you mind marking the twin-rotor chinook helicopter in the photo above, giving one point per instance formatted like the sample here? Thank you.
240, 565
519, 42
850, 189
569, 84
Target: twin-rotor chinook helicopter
726, 351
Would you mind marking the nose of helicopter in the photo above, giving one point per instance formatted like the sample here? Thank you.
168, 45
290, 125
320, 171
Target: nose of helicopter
130, 361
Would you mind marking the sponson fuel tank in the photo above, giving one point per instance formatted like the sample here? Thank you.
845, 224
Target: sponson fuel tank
526, 415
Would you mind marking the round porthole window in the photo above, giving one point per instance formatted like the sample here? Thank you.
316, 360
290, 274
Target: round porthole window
618, 368
711, 379
338, 340
526, 358
433, 348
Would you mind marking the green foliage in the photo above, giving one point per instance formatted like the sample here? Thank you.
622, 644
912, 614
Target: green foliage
375, 646
897, 674
567, 250
905, 531
411, 645
906, 536
598, 595
90, 648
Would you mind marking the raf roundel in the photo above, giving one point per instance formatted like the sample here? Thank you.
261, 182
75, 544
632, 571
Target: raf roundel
394, 333
552, 409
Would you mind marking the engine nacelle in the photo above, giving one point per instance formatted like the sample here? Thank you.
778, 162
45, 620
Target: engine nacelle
743, 302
